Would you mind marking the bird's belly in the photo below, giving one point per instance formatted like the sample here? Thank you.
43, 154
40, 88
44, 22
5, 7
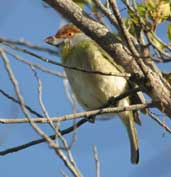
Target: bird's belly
93, 91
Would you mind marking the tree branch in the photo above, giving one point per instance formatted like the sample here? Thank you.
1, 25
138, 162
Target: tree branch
29, 45
42, 140
75, 171
44, 59
81, 114
16, 101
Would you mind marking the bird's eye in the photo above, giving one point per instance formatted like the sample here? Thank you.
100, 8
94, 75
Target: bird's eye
70, 34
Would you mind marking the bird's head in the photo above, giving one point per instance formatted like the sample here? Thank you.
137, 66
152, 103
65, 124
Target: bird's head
66, 35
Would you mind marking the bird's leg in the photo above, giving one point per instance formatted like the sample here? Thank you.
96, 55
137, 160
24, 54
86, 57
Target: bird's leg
91, 119
112, 102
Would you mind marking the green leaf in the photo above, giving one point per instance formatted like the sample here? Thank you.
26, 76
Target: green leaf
82, 3
158, 10
156, 40
142, 10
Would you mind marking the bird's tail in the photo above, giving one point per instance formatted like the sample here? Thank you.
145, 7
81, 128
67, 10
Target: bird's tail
128, 119
132, 133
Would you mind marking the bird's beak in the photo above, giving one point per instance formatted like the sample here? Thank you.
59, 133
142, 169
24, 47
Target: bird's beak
52, 40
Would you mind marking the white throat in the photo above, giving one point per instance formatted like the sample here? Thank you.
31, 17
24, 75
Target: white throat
78, 38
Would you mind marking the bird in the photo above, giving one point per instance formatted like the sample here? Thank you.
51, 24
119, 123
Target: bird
93, 90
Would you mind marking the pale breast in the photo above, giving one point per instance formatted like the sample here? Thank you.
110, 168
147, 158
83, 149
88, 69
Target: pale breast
91, 90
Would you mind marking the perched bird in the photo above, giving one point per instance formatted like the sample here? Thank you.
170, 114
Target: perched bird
94, 90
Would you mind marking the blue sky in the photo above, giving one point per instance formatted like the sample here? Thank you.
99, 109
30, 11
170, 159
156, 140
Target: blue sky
30, 20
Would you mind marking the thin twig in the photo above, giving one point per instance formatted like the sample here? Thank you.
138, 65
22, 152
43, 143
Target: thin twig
81, 114
41, 68
29, 45
55, 128
159, 122
97, 161
70, 95
66, 147
107, 12
50, 142
123, 29
42, 140
44, 59
41, 100
16, 101
73, 101
64, 174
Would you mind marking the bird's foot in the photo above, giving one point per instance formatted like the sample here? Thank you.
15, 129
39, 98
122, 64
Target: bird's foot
91, 119
112, 102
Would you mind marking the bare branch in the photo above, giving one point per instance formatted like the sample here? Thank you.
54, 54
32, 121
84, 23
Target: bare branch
70, 95
28, 44
123, 29
97, 161
37, 66
81, 114
159, 122
16, 101
107, 12
44, 59
41, 100
59, 152
64, 174
42, 140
